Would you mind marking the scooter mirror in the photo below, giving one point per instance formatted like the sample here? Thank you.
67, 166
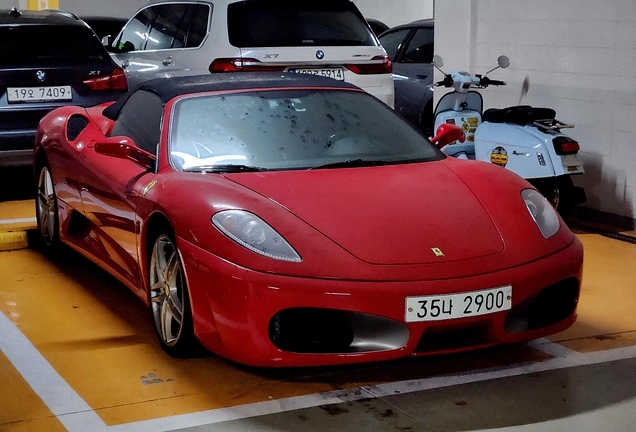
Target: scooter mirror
438, 62
503, 61
446, 134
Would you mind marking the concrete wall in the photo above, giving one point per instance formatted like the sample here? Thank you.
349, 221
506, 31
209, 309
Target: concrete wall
118, 8
580, 57
395, 13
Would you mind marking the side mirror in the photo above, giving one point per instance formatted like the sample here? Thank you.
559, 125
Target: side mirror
124, 148
447, 133
503, 61
438, 62
107, 41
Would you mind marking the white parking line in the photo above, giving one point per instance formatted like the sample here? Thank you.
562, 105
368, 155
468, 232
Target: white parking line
75, 414
69, 408
17, 221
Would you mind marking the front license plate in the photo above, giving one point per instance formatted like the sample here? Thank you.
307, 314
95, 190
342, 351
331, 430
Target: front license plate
39, 94
335, 73
453, 306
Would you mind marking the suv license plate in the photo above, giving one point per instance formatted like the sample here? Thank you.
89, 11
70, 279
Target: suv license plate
453, 306
335, 73
39, 94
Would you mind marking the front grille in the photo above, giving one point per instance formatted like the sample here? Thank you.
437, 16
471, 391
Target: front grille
553, 304
444, 338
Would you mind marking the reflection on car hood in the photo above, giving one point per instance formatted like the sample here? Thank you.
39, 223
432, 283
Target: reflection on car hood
400, 214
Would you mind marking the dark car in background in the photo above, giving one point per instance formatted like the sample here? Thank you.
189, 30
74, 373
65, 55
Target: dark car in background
410, 47
377, 26
49, 59
105, 25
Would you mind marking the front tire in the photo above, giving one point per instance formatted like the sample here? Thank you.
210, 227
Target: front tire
169, 297
46, 210
559, 191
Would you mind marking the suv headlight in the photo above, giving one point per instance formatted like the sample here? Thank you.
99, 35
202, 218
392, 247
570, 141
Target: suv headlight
253, 233
542, 212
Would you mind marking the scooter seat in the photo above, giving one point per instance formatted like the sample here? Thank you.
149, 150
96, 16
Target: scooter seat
520, 114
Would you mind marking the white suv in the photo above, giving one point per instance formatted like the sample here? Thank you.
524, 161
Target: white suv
323, 37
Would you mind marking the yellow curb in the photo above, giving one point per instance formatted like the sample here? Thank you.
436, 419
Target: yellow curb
18, 226
13, 240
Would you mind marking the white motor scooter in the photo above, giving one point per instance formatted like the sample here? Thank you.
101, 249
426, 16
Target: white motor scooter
523, 139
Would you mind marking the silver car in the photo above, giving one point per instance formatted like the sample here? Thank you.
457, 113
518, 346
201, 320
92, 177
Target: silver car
321, 37
410, 47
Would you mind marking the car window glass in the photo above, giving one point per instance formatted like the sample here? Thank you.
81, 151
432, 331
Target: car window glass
135, 34
292, 23
140, 120
393, 41
294, 129
199, 27
163, 33
420, 48
49, 45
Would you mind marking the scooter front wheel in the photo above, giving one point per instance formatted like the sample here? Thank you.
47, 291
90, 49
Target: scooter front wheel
559, 191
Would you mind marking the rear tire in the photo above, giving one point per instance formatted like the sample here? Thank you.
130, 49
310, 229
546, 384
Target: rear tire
46, 209
559, 191
170, 298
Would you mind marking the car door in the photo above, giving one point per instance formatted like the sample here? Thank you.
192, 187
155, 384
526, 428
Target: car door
411, 51
110, 193
158, 40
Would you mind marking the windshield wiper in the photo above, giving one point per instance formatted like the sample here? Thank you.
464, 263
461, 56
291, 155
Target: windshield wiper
353, 163
224, 168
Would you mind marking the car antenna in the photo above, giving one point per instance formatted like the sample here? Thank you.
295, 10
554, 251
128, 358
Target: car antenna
15, 12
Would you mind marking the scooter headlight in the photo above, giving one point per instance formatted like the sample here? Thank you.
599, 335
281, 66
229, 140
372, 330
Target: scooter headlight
542, 212
253, 233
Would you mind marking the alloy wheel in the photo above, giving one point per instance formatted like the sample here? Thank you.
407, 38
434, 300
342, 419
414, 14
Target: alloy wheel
46, 207
167, 290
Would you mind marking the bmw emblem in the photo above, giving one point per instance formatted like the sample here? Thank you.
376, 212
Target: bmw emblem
320, 55
40, 76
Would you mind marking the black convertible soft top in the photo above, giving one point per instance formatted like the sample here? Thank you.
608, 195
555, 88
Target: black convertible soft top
168, 88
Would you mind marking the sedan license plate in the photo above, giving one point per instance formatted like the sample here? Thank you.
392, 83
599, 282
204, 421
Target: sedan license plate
39, 94
335, 73
462, 305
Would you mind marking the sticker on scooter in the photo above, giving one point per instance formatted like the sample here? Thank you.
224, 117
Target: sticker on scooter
499, 156
451, 121
469, 126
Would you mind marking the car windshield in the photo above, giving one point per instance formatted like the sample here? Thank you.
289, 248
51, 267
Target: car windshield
274, 23
291, 129
48, 45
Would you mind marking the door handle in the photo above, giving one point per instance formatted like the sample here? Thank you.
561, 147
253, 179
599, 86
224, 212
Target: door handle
422, 76
167, 61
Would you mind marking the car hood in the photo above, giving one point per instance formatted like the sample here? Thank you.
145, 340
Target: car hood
389, 215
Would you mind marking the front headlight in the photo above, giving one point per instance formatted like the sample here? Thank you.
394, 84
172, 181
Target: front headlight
542, 212
252, 232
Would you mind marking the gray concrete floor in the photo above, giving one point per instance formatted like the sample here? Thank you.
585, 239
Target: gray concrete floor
592, 398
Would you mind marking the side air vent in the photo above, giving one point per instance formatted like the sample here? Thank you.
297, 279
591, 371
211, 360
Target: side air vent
75, 126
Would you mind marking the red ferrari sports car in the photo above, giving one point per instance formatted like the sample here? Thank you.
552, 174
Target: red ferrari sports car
294, 220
